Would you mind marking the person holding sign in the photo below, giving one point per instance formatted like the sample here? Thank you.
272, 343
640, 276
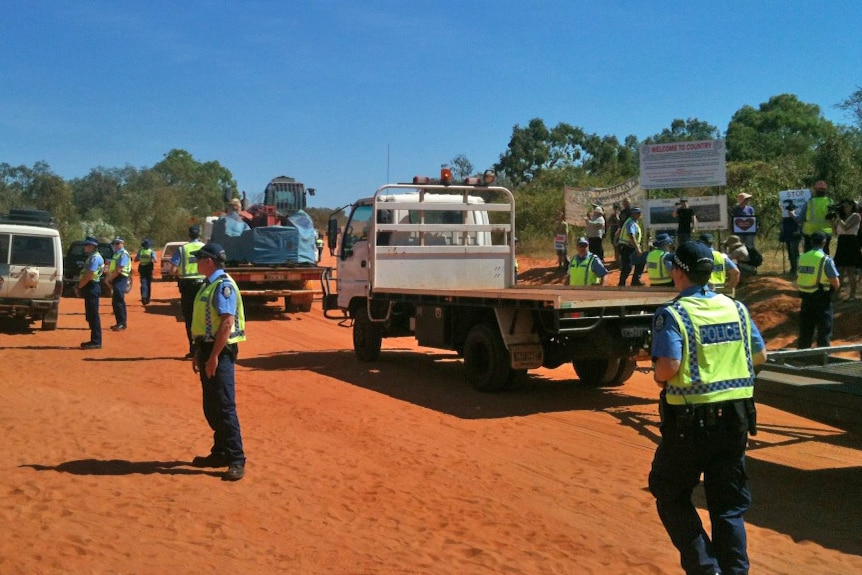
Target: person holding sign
744, 222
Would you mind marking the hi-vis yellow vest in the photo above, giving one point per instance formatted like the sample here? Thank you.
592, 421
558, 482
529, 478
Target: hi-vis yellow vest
145, 256
811, 275
719, 273
205, 317
188, 268
716, 362
127, 269
815, 216
626, 238
582, 274
656, 270
97, 275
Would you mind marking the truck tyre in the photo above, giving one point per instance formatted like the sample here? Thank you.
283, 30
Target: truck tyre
486, 359
597, 372
624, 373
49, 320
367, 336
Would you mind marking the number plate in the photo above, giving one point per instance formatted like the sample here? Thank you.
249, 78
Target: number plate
633, 332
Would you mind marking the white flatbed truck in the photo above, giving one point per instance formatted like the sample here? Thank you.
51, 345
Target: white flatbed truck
436, 262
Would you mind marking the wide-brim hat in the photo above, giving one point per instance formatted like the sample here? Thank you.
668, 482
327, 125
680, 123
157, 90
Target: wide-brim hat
732, 242
742, 196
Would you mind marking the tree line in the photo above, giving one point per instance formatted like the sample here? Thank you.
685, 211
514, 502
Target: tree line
784, 143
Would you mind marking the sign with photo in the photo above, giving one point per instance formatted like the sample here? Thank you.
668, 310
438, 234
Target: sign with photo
711, 213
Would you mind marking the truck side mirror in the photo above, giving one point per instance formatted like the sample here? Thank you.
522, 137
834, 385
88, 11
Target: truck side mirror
332, 234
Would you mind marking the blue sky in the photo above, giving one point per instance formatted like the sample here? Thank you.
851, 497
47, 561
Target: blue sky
345, 95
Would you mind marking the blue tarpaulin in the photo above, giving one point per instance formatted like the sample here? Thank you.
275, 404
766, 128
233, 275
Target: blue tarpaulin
293, 243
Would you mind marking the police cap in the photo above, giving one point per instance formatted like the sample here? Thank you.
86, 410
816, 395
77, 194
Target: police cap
693, 257
210, 251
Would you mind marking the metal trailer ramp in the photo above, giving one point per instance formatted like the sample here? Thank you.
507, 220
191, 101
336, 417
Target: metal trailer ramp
814, 383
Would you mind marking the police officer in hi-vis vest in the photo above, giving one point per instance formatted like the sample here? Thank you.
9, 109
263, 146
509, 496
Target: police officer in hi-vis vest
817, 280
218, 325
586, 268
705, 347
119, 272
725, 273
90, 288
147, 259
659, 261
185, 267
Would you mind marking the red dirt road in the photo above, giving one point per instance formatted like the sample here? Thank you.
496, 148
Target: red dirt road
396, 467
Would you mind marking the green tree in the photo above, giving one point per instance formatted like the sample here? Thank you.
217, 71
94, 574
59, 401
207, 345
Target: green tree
688, 130
853, 106
461, 167
783, 126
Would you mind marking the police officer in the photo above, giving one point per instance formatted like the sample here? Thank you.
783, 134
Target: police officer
148, 260
218, 325
817, 280
631, 234
119, 271
725, 273
90, 288
185, 267
586, 268
705, 347
659, 261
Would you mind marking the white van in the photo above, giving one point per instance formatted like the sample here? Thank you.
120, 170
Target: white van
31, 273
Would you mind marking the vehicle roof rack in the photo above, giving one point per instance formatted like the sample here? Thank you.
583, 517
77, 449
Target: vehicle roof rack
28, 217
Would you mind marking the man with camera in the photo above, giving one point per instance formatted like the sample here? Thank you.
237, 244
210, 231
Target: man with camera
686, 221
816, 217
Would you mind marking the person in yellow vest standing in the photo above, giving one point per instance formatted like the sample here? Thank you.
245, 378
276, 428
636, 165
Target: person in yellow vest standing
147, 260
218, 325
586, 268
185, 267
659, 261
817, 279
705, 347
631, 253
814, 217
119, 272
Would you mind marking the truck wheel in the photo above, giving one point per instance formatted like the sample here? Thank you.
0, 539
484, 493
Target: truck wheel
596, 372
486, 359
49, 325
367, 337
624, 373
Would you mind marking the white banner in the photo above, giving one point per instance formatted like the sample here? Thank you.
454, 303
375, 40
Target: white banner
579, 201
683, 165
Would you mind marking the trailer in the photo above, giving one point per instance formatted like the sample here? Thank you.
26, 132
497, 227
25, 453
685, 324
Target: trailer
436, 261
822, 383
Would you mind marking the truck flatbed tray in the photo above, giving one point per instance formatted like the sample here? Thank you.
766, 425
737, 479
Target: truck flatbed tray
546, 296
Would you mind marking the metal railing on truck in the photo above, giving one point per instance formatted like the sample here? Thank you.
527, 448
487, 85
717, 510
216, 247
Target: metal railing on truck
453, 252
